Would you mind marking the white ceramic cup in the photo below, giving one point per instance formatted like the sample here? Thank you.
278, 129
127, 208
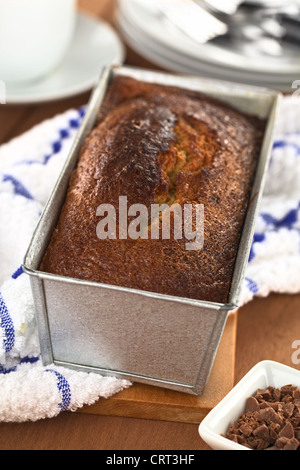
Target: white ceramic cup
34, 37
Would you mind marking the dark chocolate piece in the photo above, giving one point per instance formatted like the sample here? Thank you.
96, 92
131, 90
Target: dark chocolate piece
271, 420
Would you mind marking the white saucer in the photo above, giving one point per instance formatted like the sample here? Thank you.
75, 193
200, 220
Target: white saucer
95, 45
167, 59
158, 40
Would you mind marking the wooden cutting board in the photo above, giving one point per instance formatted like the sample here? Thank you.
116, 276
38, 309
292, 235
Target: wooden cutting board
154, 403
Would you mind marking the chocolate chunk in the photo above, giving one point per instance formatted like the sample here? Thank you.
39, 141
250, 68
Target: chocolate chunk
262, 444
276, 394
252, 405
274, 430
262, 432
287, 431
235, 425
246, 429
274, 405
293, 444
270, 416
295, 421
241, 440
288, 410
285, 443
264, 394
252, 442
271, 420
287, 399
289, 389
264, 404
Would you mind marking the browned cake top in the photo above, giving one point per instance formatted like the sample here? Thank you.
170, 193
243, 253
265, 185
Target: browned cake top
156, 144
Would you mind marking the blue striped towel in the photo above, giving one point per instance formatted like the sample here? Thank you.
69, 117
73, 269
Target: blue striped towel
274, 264
29, 167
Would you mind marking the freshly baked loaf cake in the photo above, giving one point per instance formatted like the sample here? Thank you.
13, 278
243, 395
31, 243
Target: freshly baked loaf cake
159, 145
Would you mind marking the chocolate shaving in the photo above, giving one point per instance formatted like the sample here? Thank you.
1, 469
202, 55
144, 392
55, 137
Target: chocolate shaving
252, 405
287, 431
271, 420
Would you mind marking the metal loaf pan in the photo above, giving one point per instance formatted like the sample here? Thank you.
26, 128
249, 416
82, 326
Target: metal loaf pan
145, 337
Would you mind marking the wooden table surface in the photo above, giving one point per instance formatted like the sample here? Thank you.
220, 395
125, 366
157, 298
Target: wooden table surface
266, 329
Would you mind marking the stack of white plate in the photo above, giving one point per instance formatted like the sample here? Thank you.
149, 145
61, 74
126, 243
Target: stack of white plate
149, 33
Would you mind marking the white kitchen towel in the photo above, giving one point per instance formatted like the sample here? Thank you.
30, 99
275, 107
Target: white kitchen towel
29, 167
274, 264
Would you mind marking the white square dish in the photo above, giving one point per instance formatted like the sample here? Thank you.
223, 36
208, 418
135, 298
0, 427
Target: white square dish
264, 374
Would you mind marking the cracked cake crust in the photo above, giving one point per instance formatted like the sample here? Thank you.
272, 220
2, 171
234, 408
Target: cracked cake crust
157, 144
